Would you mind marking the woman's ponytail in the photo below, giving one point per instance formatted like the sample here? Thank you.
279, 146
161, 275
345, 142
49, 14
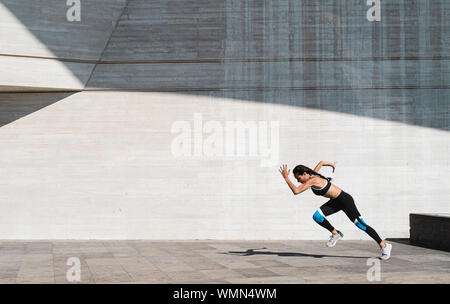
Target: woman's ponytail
300, 169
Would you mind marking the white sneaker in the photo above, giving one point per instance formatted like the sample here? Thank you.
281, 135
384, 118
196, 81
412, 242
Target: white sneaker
334, 238
386, 252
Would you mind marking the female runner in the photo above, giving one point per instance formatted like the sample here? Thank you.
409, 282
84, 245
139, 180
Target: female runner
339, 200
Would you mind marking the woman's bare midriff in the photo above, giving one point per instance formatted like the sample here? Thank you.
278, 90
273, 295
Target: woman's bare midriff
333, 192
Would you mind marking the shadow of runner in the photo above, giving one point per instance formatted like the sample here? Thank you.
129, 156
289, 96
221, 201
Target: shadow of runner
253, 252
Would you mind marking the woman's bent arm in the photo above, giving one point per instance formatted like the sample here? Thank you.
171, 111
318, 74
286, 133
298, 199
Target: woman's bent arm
325, 163
297, 190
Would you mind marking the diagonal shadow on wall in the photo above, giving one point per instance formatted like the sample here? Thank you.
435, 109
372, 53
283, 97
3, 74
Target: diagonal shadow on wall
16, 106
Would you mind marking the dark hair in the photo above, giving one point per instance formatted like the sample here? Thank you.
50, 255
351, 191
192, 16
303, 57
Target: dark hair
300, 169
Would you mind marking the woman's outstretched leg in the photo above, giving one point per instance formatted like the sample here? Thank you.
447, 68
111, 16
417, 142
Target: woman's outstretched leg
359, 222
353, 214
385, 247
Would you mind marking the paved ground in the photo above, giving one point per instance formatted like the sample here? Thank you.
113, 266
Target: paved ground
218, 262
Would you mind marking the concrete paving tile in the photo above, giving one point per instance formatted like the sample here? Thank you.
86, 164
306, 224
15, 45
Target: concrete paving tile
5, 265
8, 274
122, 251
37, 257
202, 263
153, 277
266, 280
12, 258
222, 273
215, 281
318, 270
63, 258
35, 272
280, 280
151, 251
417, 258
337, 279
415, 278
5, 246
12, 251
59, 270
240, 280
103, 267
97, 255
40, 247
31, 273
181, 255
112, 277
36, 280
233, 246
256, 272
352, 269
186, 276
236, 264
136, 264
62, 279
95, 249
253, 255
116, 243
186, 246
171, 265
77, 244
309, 261
269, 263
67, 251
433, 266
101, 261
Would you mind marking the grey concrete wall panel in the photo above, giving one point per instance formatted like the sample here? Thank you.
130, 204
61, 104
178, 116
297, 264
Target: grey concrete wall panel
178, 29
101, 165
261, 75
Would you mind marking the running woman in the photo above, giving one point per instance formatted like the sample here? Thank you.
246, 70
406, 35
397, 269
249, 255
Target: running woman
339, 200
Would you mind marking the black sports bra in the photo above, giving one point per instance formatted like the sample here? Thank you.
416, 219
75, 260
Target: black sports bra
323, 190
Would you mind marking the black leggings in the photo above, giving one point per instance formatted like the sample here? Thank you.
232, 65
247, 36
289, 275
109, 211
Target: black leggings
343, 202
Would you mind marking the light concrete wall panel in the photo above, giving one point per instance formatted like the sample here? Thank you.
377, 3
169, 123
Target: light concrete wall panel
100, 165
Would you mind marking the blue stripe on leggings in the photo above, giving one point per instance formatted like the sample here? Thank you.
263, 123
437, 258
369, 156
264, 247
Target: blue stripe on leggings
318, 217
360, 226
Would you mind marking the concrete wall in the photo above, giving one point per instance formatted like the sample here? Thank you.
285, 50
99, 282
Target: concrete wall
260, 44
102, 165
41, 50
